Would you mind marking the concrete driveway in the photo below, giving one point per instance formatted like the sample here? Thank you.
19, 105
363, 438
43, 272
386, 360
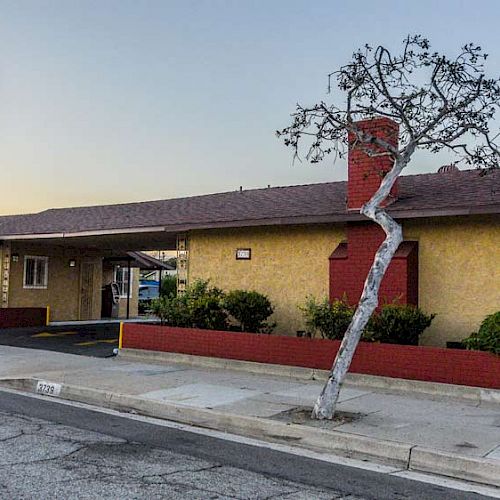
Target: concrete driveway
97, 340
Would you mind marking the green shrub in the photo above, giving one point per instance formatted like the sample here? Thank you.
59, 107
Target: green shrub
398, 324
205, 304
171, 311
488, 336
394, 324
200, 306
250, 309
329, 320
168, 286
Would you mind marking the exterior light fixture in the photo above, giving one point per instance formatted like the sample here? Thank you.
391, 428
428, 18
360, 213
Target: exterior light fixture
72, 263
15, 257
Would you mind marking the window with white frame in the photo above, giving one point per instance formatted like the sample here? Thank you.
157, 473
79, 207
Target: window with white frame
121, 278
36, 271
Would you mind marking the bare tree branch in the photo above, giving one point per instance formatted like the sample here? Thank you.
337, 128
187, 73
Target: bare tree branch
440, 103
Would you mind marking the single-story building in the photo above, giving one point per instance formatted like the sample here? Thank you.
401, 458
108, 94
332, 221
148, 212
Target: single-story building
286, 242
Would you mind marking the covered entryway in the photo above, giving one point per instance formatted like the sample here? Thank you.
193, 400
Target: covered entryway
77, 268
120, 283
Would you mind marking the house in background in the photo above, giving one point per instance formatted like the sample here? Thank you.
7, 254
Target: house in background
286, 242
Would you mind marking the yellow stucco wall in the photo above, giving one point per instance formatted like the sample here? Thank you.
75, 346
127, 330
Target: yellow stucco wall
63, 290
459, 271
287, 264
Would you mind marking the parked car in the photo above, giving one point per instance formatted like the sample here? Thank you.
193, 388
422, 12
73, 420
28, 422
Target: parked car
148, 290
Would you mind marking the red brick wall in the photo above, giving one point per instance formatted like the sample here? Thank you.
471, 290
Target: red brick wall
13, 317
349, 265
348, 270
416, 363
364, 172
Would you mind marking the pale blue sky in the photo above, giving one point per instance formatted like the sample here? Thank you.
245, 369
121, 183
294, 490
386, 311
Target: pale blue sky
113, 101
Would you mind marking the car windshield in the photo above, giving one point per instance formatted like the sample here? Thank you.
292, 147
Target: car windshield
147, 292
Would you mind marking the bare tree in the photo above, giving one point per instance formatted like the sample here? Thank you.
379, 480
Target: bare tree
440, 103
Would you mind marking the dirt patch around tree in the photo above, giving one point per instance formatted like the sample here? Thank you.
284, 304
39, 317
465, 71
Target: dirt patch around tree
302, 415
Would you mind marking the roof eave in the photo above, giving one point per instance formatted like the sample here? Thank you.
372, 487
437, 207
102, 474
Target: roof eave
272, 221
79, 234
333, 218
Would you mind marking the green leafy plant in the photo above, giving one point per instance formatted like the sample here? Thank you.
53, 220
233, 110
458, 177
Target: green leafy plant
200, 306
171, 311
168, 286
398, 324
394, 323
329, 320
205, 304
250, 309
487, 338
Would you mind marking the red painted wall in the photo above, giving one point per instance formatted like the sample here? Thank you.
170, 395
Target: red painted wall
14, 317
349, 266
351, 261
431, 364
366, 172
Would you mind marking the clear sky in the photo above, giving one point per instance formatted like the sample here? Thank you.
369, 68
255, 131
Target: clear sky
111, 101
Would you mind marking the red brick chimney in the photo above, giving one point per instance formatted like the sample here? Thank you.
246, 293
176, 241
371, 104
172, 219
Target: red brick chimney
365, 173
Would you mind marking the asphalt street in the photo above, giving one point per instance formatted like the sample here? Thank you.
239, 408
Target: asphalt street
88, 340
51, 450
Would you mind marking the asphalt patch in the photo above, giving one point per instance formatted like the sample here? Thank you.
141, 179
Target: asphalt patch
97, 340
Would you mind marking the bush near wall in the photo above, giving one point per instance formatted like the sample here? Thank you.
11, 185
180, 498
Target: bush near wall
432, 364
487, 338
208, 307
250, 310
392, 323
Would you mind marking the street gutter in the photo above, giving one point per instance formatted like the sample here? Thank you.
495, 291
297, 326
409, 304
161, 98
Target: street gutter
407, 456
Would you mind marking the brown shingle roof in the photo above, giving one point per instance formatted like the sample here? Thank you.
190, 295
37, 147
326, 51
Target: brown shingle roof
453, 193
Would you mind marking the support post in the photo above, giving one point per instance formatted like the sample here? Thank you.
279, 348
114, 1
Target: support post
159, 274
5, 271
182, 263
128, 287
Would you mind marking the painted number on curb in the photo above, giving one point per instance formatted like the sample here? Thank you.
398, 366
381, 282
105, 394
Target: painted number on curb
48, 388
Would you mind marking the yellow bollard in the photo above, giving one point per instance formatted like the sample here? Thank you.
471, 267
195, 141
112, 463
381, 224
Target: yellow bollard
47, 317
120, 338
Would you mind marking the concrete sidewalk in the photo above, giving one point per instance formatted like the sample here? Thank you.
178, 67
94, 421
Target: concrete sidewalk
453, 437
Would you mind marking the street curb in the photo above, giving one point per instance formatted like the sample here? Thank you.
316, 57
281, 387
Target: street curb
476, 469
435, 389
400, 454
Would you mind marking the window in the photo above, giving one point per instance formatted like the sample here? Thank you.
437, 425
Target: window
121, 278
36, 271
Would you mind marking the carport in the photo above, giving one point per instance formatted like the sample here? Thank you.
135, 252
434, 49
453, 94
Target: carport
67, 271
140, 260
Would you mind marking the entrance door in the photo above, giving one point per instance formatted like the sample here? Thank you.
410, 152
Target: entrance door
87, 288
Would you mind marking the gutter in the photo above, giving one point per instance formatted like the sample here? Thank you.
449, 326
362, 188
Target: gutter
80, 234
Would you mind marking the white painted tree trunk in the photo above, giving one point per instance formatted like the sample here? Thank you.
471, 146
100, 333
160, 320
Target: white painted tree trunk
327, 400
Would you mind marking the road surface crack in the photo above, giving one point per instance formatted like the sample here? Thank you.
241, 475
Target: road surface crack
44, 460
162, 475
11, 438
